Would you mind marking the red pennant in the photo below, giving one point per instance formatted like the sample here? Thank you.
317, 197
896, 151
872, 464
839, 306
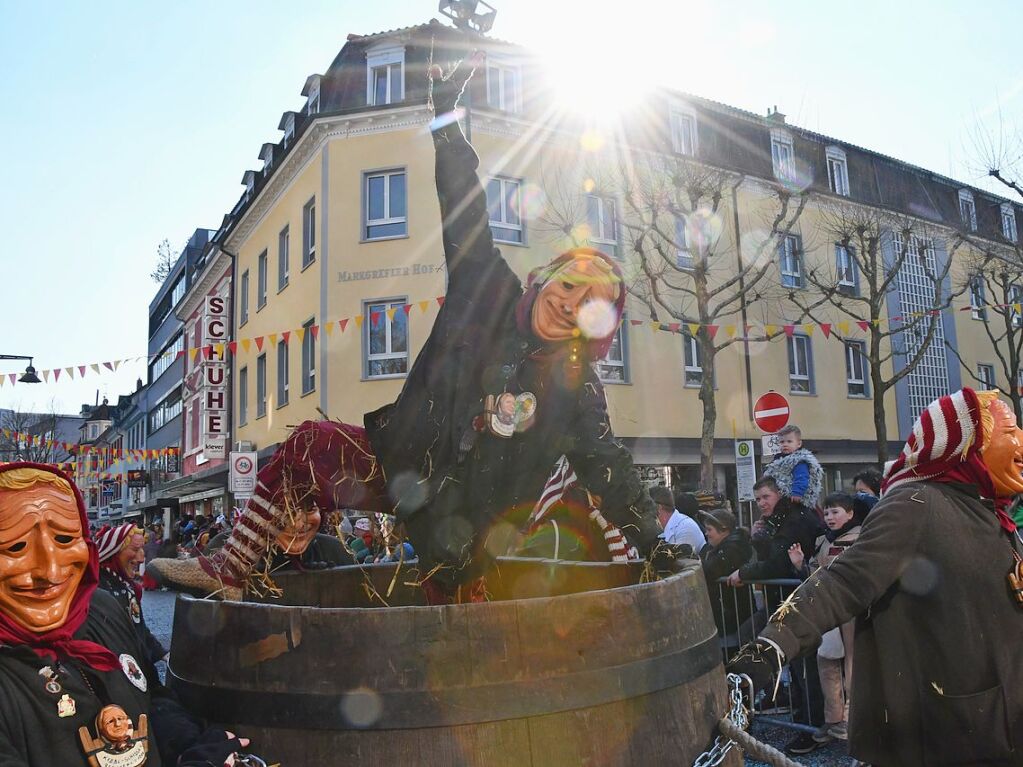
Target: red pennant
748, 329
826, 329
864, 325
343, 323
56, 374
13, 377
440, 300
259, 343
81, 370
179, 355
712, 330
936, 312
315, 330
407, 308
636, 322
285, 335
675, 327
789, 330
232, 347
895, 319
108, 366
374, 317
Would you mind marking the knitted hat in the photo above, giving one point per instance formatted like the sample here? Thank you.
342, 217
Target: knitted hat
109, 540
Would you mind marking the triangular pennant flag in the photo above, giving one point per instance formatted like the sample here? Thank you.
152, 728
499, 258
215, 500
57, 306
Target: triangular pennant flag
826, 329
877, 323
675, 327
343, 324
232, 346
286, 336
219, 348
358, 321
635, 322
391, 312
440, 300
1018, 308
407, 308
655, 325
300, 332
95, 368
892, 319
192, 352
246, 343
374, 318
70, 372
329, 327
56, 375
730, 330
789, 330
108, 366
712, 330
259, 343
693, 328
864, 325
46, 375
117, 364
843, 327
273, 339
179, 354
2, 379
808, 328
769, 330
423, 305
315, 330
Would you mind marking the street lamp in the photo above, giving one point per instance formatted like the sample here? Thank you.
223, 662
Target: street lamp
467, 16
29, 375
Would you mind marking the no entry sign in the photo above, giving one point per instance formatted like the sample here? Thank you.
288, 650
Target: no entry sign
771, 412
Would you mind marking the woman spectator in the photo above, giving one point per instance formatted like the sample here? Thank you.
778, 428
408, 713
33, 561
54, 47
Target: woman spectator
728, 548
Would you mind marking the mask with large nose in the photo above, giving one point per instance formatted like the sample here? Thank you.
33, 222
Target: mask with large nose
1002, 453
577, 300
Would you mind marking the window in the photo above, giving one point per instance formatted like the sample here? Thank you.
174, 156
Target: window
845, 270
384, 76
243, 396
503, 87
386, 339
261, 385
165, 411
683, 132
967, 209
614, 368
167, 356
693, 360
856, 369
602, 218
504, 202
283, 246
986, 377
308, 233
261, 281
308, 358
288, 126
243, 312
1016, 298
312, 105
683, 256
1009, 222
977, 302
838, 171
791, 257
800, 365
178, 291
282, 374
312, 93
385, 205
783, 158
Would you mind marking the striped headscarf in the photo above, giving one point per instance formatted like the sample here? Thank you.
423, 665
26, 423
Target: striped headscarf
109, 540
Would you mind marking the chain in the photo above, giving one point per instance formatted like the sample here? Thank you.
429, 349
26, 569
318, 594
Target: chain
738, 715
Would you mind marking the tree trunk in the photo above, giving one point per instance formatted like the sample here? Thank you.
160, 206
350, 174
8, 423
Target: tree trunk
710, 415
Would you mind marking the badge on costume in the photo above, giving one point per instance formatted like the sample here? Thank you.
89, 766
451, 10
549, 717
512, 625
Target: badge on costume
131, 669
507, 413
52, 683
117, 743
133, 608
66, 706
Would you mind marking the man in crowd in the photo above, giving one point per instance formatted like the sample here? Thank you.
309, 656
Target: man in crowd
443, 458
67, 650
679, 529
935, 583
782, 525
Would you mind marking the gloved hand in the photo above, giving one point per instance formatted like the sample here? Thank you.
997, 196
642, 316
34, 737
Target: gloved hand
214, 746
761, 662
667, 558
446, 89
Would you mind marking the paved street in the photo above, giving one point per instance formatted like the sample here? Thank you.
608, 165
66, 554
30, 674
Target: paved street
158, 607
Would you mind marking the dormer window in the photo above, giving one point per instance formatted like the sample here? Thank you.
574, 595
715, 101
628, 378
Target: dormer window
838, 170
967, 209
267, 156
385, 83
783, 155
287, 124
504, 90
249, 179
1009, 222
311, 91
683, 130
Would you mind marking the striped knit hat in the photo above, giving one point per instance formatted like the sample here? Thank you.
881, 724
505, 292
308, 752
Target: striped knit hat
109, 540
944, 445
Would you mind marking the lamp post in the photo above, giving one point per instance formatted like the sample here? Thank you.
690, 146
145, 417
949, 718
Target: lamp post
468, 17
29, 376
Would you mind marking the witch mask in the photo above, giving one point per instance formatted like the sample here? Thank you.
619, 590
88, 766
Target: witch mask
1002, 452
585, 281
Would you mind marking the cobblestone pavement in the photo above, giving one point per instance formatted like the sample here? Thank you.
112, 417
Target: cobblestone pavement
158, 608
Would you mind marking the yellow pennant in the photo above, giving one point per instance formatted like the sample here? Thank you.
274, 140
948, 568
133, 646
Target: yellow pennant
246, 343
655, 325
843, 327
358, 321
390, 313
730, 330
329, 327
192, 352
808, 328
694, 328
220, 350
95, 368
46, 375
1018, 308
423, 306
300, 332
273, 339
70, 372
770, 330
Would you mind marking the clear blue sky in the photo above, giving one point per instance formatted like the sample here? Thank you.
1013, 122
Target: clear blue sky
126, 122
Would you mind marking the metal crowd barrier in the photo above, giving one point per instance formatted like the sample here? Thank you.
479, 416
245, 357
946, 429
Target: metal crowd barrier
740, 614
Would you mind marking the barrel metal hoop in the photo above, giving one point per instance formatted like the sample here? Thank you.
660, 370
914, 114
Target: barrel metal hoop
416, 709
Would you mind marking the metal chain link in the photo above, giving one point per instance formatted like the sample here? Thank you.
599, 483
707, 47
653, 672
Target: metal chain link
738, 715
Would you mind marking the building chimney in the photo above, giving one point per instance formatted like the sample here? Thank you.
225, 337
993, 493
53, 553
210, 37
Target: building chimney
774, 114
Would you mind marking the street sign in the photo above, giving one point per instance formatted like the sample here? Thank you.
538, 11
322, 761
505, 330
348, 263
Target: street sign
770, 446
242, 473
771, 412
745, 469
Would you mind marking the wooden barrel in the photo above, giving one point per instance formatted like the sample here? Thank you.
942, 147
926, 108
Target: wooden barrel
568, 664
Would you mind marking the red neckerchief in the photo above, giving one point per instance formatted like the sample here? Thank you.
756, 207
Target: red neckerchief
60, 641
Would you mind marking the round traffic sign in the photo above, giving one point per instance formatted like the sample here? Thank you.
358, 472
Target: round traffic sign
243, 464
771, 412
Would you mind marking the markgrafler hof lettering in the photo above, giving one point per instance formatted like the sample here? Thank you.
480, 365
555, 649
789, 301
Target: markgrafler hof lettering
397, 271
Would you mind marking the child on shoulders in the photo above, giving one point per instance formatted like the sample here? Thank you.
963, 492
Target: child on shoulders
796, 471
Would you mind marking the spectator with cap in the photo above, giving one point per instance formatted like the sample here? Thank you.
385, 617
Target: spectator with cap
364, 544
679, 530
728, 548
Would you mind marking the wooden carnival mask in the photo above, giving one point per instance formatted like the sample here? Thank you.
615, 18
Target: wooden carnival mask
583, 280
43, 555
117, 743
299, 532
1003, 450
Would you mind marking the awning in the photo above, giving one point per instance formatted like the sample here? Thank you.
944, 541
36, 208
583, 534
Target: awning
202, 495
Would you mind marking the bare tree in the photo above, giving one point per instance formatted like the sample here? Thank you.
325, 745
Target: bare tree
687, 262
164, 262
857, 285
26, 436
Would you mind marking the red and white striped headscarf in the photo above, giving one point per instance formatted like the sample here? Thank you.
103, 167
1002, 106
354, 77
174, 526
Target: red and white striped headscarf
109, 540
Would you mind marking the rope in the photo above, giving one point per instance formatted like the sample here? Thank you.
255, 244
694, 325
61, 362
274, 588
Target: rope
754, 747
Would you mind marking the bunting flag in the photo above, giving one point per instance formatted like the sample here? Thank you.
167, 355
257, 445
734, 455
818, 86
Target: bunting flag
826, 329
286, 337
343, 323
259, 343
273, 339
423, 306
315, 330
300, 332
358, 320
329, 327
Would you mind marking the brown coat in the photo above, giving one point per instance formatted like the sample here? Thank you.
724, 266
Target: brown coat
938, 678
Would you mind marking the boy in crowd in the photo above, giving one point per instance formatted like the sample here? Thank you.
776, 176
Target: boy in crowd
837, 644
796, 470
